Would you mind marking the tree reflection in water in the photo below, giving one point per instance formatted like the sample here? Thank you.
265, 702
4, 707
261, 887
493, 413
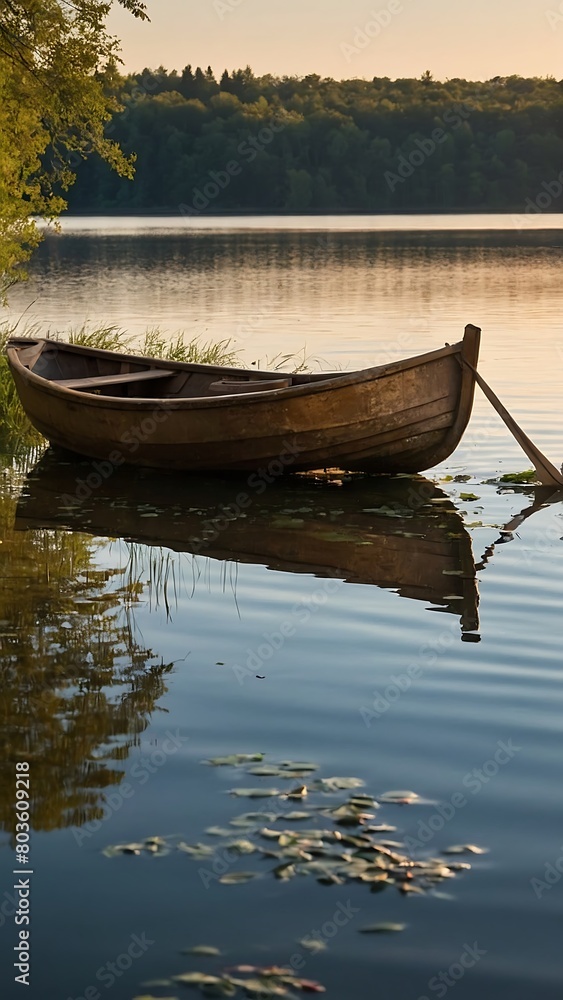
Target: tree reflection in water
77, 687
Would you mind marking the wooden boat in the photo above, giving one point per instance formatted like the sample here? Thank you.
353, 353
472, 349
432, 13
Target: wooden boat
406, 416
403, 534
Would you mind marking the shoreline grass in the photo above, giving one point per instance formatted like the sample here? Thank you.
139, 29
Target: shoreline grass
18, 437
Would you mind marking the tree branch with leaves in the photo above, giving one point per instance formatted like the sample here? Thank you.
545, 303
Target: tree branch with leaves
56, 57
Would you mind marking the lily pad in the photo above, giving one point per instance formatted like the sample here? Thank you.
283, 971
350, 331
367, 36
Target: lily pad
147, 996
234, 759
401, 797
255, 793
314, 945
201, 949
529, 476
237, 878
253, 819
241, 846
115, 849
298, 765
383, 928
196, 850
336, 784
465, 849
195, 978
265, 770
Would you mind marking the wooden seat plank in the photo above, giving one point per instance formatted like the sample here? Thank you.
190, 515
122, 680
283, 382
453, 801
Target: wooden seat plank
229, 386
98, 381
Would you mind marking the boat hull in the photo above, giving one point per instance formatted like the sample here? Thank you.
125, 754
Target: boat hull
403, 417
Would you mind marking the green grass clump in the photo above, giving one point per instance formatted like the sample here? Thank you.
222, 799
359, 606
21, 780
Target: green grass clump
529, 476
17, 436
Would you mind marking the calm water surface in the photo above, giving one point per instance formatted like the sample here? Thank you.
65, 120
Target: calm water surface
133, 646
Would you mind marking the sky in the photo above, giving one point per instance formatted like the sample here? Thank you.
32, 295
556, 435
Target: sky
476, 40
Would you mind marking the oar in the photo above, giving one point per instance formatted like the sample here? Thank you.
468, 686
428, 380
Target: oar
547, 474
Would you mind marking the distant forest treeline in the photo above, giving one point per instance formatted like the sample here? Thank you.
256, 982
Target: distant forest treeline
269, 144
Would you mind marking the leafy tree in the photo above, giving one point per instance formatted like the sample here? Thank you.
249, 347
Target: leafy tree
57, 65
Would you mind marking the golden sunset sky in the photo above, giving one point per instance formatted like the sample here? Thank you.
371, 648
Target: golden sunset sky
349, 38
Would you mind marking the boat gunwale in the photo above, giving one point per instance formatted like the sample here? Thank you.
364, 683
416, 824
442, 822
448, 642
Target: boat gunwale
332, 382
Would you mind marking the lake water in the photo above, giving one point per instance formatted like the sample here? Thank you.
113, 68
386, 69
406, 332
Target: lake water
406, 633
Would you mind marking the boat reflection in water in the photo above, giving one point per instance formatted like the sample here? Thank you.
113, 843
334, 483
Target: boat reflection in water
399, 533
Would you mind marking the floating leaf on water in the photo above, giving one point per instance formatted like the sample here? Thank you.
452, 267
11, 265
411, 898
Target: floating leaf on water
285, 872
147, 996
299, 792
331, 878
298, 765
241, 846
195, 978
218, 831
469, 496
345, 816
406, 887
295, 816
400, 797
196, 850
225, 988
234, 759
362, 802
383, 928
255, 793
308, 986
465, 849
336, 784
265, 770
201, 949
236, 878
529, 476
314, 945
259, 988
112, 851
253, 819
382, 828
